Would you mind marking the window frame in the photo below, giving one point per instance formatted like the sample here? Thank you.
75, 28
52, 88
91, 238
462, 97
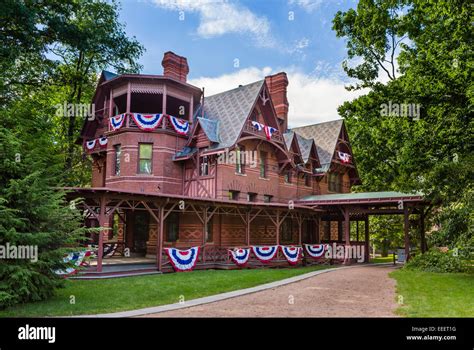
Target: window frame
139, 159
117, 159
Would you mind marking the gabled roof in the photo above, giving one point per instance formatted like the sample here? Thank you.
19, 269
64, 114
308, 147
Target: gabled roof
231, 108
305, 146
325, 136
210, 128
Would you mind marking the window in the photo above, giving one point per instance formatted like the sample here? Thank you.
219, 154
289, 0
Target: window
252, 197
327, 230
118, 154
263, 164
287, 230
288, 177
240, 160
172, 227
334, 182
204, 166
267, 198
145, 151
209, 235
234, 195
307, 180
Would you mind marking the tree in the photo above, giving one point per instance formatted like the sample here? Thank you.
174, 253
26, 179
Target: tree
430, 151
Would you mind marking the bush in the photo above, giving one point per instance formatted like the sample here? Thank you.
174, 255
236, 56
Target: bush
437, 261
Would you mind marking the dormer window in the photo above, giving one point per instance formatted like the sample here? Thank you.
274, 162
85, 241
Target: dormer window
288, 177
204, 166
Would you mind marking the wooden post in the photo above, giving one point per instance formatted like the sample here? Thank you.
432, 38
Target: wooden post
102, 224
347, 235
247, 228
278, 227
406, 229
300, 223
367, 239
129, 97
159, 240
318, 229
357, 230
422, 231
163, 123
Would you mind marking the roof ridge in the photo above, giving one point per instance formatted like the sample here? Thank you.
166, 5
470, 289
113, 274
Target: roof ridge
328, 121
239, 87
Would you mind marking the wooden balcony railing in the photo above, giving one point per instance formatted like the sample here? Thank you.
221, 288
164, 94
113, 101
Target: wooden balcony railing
249, 128
129, 123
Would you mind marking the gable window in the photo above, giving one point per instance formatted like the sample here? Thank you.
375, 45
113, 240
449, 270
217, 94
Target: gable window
172, 227
251, 197
263, 164
204, 166
307, 180
240, 160
288, 177
334, 182
145, 152
267, 198
118, 153
234, 195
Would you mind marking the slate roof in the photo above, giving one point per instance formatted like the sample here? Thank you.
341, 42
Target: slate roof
305, 146
325, 137
210, 128
231, 109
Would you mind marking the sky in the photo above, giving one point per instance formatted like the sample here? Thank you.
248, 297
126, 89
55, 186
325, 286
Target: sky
234, 42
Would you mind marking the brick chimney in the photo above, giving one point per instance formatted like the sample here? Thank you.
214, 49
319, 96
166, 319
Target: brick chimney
175, 66
277, 85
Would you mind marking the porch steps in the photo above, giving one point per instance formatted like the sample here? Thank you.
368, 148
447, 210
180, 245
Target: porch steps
118, 270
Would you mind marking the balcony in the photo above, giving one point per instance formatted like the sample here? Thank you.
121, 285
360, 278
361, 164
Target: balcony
164, 124
250, 129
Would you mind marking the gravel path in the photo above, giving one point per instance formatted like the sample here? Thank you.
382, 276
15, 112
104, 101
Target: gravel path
364, 291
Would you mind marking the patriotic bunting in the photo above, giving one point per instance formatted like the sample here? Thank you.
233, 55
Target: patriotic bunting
109, 250
315, 251
90, 145
269, 131
344, 157
183, 260
147, 122
240, 256
180, 126
258, 126
103, 142
116, 122
77, 259
265, 253
292, 254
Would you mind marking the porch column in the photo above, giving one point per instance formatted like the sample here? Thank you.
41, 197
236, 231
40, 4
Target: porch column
163, 123
247, 228
318, 229
422, 231
357, 230
367, 240
406, 229
204, 230
300, 223
347, 235
159, 239
103, 224
278, 227
129, 97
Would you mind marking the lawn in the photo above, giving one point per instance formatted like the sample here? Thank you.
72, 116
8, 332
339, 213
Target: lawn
119, 294
429, 294
379, 259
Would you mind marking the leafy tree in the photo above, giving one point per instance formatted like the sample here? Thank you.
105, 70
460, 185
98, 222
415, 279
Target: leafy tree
431, 151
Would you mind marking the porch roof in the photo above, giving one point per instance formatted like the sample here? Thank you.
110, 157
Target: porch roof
93, 191
361, 197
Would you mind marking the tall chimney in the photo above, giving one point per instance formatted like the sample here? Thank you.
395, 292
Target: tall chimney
175, 66
277, 85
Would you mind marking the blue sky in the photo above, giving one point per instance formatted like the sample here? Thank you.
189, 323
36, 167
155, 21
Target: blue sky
228, 43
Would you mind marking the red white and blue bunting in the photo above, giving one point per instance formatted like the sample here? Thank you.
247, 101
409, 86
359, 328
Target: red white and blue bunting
240, 256
76, 259
257, 125
265, 253
183, 260
147, 122
103, 142
316, 251
116, 122
344, 157
90, 145
109, 250
269, 131
179, 125
292, 254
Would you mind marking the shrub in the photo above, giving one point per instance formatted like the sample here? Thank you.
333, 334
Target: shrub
437, 261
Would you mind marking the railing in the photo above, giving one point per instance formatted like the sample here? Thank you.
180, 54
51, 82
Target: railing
249, 128
129, 123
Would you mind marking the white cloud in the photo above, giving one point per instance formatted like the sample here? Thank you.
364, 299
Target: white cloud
307, 5
312, 99
217, 18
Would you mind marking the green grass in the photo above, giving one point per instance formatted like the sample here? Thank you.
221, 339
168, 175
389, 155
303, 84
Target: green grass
429, 294
380, 259
119, 294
